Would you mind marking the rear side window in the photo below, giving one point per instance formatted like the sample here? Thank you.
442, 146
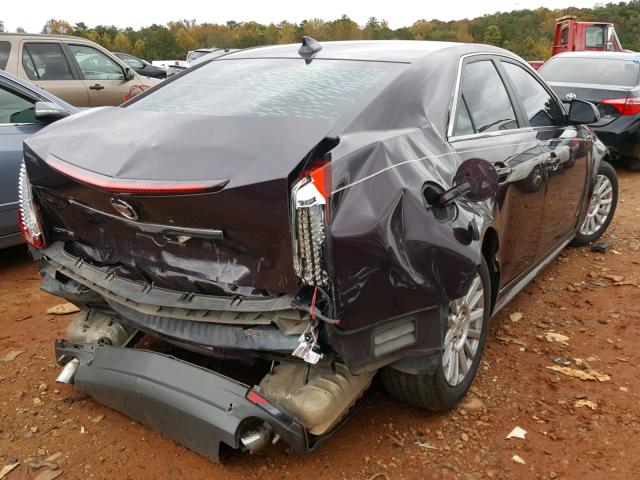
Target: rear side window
15, 108
600, 71
5, 48
540, 107
487, 101
45, 61
322, 89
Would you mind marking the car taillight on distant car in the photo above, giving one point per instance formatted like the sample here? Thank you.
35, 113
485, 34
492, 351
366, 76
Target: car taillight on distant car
309, 197
28, 213
625, 106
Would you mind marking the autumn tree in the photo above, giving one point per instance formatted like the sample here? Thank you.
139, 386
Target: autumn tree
493, 35
58, 27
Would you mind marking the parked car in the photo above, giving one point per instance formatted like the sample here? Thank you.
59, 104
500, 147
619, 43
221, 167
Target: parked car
201, 52
196, 57
142, 66
24, 110
317, 213
611, 80
74, 69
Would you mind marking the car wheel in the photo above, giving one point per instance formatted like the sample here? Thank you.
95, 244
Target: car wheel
465, 329
602, 206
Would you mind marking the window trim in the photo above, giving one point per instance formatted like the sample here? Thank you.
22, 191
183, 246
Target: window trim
457, 93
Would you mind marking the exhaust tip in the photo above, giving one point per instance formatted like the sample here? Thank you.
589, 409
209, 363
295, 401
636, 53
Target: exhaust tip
256, 439
68, 371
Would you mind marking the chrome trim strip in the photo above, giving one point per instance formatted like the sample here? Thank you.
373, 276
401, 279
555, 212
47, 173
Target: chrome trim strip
156, 228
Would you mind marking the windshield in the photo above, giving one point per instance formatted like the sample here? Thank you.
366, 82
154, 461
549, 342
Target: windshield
323, 89
601, 71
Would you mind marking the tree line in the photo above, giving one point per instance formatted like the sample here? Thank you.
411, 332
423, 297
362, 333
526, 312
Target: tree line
529, 33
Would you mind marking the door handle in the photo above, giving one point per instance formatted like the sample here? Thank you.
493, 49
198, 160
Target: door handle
97, 86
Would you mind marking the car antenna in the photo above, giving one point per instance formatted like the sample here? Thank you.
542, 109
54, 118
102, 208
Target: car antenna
309, 48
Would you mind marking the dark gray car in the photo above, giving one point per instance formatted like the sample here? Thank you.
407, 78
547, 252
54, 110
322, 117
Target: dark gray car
24, 110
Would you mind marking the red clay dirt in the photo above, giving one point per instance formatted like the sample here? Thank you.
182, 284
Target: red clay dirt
593, 299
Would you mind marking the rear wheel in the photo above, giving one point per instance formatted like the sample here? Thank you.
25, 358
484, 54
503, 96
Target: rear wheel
465, 331
602, 206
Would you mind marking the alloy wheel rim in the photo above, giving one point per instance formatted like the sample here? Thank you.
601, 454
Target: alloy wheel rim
464, 327
599, 206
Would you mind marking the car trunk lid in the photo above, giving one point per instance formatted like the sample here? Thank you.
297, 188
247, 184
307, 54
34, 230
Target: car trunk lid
595, 94
231, 237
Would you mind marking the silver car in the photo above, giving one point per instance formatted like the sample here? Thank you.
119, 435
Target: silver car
24, 110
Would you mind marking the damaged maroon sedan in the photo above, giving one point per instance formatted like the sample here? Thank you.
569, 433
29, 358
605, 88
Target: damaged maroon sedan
319, 214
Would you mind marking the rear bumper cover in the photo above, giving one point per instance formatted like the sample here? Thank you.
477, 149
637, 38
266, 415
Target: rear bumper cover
196, 407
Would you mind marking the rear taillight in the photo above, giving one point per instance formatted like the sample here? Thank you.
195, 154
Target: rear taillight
625, 106
28, 212
309, 196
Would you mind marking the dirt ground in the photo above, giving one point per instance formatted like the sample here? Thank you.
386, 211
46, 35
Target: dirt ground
576, 429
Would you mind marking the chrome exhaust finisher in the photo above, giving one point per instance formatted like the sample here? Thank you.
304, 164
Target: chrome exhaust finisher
256, 439
68, 371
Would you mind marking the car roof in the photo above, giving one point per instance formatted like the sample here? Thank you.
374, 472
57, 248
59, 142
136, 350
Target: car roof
372, 50
596, 55
43, 36
36, 90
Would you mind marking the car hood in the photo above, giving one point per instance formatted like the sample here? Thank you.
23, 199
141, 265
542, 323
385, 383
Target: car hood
129, 144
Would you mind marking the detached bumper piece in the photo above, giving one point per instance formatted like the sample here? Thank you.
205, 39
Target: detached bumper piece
196, 407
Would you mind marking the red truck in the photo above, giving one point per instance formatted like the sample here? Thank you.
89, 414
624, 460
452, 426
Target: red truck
574, 36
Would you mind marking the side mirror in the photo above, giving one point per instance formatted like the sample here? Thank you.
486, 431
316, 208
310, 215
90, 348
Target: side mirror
581, 112
49, 112
610, 47
476, 179
128, 74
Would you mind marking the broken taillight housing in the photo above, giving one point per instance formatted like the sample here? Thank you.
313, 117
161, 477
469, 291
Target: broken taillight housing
28, 213
309, 197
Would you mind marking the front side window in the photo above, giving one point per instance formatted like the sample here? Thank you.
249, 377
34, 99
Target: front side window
564, 36
15, 108
45, 61
95, 65
486, 99
540, 107
5, 48
594, 37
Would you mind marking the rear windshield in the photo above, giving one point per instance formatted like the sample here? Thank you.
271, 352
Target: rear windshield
323, 89
602, 71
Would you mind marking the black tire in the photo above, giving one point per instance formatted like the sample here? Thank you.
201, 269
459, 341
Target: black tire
582, 238
431, 390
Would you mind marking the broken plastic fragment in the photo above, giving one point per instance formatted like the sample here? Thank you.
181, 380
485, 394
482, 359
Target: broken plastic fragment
518, 459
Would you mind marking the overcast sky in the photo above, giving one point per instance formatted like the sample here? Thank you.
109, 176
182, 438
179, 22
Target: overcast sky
33, 14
